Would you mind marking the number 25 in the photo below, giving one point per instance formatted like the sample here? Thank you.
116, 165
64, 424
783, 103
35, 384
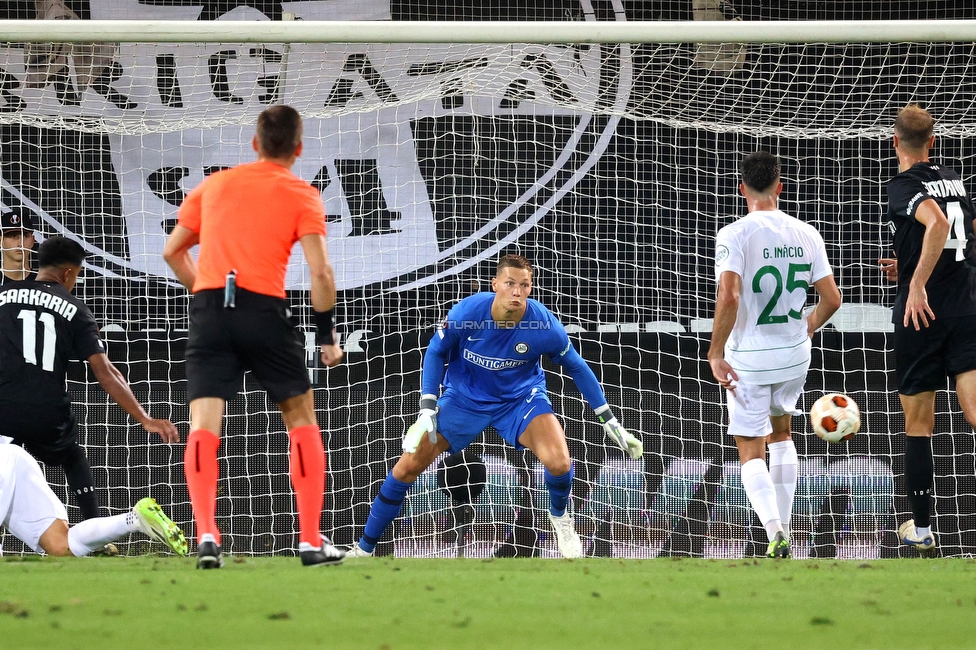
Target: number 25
766, 317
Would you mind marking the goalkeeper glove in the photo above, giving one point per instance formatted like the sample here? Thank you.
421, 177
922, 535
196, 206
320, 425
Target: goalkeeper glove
624, 439
426, 424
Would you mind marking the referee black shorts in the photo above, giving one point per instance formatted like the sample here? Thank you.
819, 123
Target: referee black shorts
259, 334
925, 358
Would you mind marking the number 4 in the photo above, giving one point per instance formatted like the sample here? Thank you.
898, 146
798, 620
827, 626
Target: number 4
957, 229
30, 319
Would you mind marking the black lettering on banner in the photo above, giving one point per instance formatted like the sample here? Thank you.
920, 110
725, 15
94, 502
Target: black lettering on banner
213, 169
219, 83
579, 51
550, 78
102, 84
167, 83
364, 195
451, 96
517, 92
165, 183
270, 82
341, 93
321, 182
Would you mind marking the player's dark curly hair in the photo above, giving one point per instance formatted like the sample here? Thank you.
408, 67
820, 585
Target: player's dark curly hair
60, 251
513, 261
279, 131
760, 171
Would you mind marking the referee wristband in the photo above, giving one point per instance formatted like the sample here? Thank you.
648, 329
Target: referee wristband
324, 324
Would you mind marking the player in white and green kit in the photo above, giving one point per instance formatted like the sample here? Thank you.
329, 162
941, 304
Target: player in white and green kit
760, 350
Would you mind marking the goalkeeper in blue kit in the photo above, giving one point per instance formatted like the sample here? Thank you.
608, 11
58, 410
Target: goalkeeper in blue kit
491, 345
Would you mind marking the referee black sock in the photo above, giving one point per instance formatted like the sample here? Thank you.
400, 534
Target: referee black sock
918, 477
81, 482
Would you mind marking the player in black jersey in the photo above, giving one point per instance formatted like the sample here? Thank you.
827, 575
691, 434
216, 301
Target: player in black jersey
42, 327
931, 216
17, 230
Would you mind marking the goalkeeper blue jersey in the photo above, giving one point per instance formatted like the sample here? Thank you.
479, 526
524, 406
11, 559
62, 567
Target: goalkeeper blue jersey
491, 364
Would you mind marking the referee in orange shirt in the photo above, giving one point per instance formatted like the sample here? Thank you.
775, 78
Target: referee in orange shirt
246, 221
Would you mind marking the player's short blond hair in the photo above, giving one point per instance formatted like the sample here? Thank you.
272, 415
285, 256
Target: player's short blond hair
914, 126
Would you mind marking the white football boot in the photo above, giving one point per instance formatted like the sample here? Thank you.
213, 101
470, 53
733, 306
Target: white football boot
567, 539
356, 550
926, 545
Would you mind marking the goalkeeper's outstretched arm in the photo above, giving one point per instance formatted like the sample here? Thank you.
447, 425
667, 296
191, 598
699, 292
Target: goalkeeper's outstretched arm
432, 374
588, 385
435, 361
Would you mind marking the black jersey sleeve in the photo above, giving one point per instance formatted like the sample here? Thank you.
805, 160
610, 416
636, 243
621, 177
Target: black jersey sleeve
905, 193
85, 338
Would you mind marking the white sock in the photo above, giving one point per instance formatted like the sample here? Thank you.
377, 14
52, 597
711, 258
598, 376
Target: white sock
782, 471
95, 533
762, 495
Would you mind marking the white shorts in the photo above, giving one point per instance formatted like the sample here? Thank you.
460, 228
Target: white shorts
28, 506
753, 404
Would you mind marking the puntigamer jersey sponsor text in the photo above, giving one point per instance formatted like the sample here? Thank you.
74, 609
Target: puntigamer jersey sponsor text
488, 363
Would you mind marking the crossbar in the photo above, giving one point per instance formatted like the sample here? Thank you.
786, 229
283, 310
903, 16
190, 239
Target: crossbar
181, 31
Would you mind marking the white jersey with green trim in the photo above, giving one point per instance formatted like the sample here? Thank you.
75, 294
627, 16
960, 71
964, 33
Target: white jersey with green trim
778, 257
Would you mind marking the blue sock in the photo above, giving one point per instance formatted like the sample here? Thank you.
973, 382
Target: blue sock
559, 487
385, 508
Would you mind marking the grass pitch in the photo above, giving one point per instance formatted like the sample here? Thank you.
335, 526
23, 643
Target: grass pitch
386, 603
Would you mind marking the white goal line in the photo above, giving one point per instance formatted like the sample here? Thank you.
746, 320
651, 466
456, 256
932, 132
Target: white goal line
182, 31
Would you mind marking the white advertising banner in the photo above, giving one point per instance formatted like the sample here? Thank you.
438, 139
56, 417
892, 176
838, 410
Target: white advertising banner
174, 113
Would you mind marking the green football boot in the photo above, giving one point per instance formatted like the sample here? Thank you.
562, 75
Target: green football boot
154, 522
779, 548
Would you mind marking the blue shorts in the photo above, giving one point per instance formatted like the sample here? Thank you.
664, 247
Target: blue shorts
461, 420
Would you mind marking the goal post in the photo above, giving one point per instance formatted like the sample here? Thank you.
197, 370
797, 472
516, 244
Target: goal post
606, 150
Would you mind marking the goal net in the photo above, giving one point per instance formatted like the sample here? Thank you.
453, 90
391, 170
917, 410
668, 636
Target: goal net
610, 165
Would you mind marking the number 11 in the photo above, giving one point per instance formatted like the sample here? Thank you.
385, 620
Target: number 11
30, 319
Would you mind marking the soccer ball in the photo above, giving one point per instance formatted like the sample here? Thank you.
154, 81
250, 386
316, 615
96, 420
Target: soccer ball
835, 417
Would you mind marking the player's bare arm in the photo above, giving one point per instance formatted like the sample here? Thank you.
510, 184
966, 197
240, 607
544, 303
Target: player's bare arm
930, 215
323, 290
177, 255
829, 303
118, 388
726, 309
